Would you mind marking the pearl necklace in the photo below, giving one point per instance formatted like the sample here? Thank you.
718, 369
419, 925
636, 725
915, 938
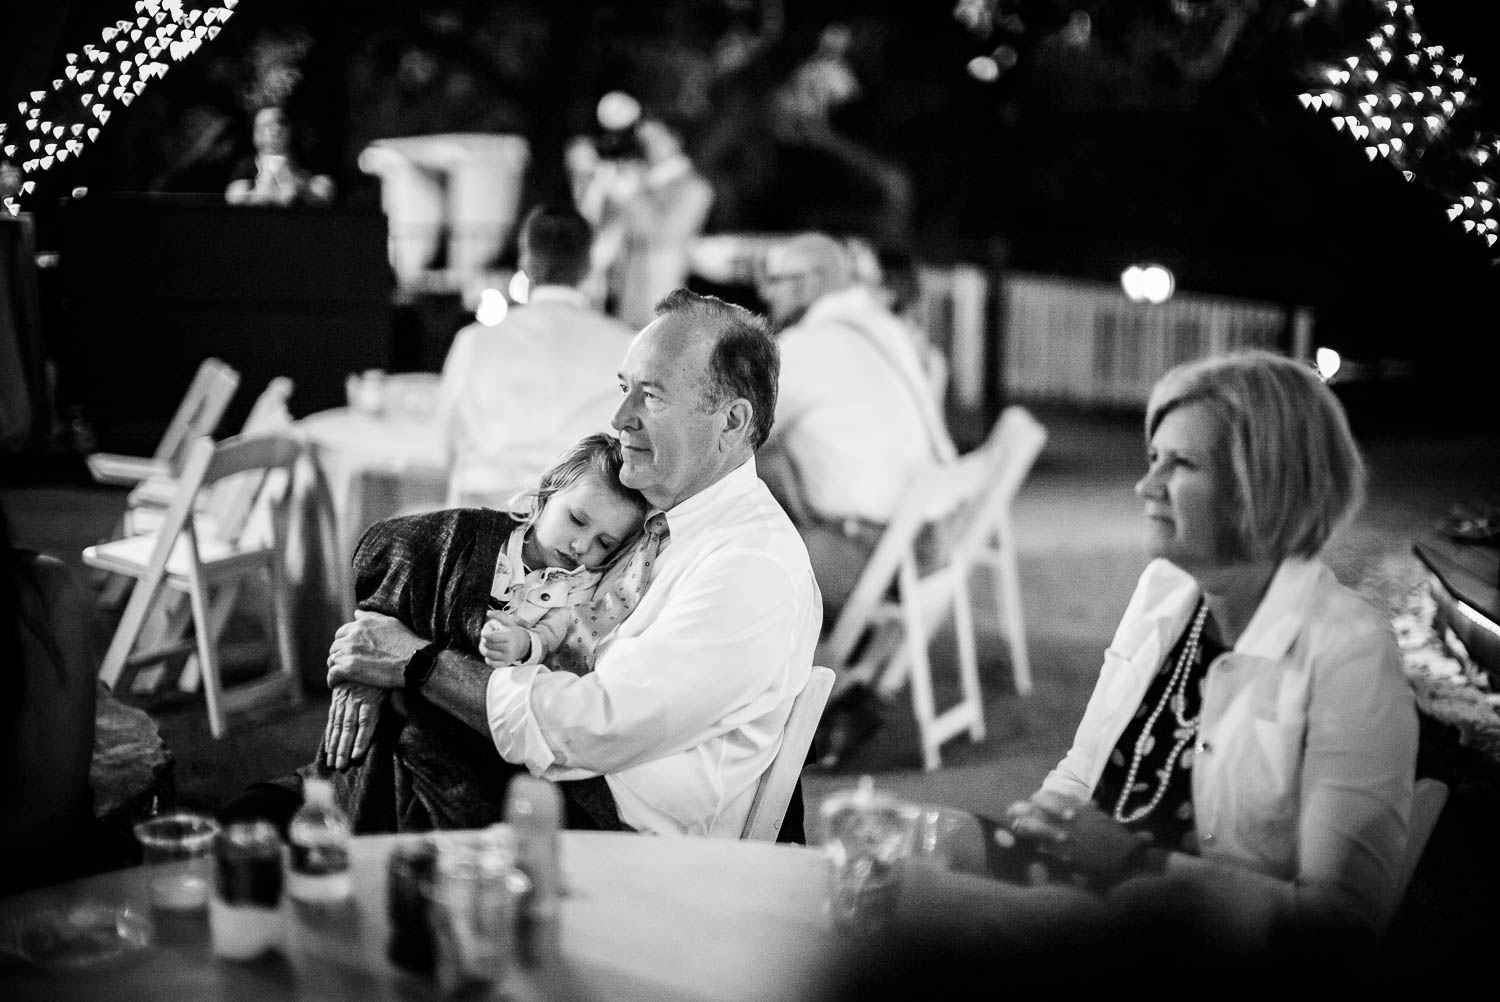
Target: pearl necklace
1174, 695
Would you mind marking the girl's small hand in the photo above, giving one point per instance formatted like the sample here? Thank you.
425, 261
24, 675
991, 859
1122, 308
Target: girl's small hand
503, 641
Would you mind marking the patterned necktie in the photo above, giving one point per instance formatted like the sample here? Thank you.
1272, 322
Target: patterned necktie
618, 593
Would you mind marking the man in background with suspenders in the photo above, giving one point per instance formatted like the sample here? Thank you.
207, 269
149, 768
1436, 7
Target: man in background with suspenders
856, 420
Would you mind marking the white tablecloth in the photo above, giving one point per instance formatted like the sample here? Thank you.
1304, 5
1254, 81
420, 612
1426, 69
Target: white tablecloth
377, 465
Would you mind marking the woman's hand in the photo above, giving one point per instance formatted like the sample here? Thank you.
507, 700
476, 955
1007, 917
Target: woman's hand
503, 640
372, 650
352, 716
1079, 836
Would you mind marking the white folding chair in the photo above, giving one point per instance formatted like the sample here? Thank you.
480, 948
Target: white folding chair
953, 516
197, 415
774, 790
885, 631
150, 498
1014, 444
183, 560
224, 512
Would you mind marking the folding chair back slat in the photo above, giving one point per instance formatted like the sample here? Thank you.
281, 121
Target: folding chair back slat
198, 414
774, 790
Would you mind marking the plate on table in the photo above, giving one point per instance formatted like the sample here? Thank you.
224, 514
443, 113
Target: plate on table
79, 937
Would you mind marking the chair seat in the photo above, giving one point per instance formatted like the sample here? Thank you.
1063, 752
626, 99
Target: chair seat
124, 471
131, 555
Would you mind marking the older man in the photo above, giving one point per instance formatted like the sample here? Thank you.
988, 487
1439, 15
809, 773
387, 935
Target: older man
855, 415
688, 700
515, 395
856, 420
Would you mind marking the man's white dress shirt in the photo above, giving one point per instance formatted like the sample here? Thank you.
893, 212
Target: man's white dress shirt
850, 407
687, 705
514, 396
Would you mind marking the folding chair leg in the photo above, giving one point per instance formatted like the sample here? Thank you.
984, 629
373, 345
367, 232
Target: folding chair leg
968, 658
922, 702
221, 607
127, 633
281, 626
1008, 584
212, 686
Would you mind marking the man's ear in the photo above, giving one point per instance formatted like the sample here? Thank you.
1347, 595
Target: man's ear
737, 418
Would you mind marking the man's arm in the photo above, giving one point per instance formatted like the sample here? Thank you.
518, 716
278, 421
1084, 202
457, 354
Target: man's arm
457, 686
373, 651
713, 657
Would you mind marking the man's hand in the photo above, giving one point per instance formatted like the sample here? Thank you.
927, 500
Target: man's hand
372, 650
352, 716
503, 640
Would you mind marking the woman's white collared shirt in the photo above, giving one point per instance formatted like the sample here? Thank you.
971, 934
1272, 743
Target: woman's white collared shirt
1306, 752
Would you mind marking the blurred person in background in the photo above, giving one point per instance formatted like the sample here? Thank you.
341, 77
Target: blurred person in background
649, 209
273, 176
514, 396
855, 421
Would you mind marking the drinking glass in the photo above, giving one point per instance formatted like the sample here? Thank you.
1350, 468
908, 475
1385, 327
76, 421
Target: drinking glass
177, 849
867, 840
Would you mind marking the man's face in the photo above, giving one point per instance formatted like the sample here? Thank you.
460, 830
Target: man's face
669, 439
786, 286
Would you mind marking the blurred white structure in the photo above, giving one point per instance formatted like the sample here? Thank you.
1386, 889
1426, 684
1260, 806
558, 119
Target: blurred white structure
465, 186
1064, 339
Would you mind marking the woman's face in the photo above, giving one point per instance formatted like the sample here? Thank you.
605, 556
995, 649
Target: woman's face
1187, 490
272, 135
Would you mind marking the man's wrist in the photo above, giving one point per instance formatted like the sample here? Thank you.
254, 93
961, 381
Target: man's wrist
420, 665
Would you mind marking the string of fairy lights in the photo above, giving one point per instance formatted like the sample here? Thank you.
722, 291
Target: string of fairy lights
59, 121
1408, 101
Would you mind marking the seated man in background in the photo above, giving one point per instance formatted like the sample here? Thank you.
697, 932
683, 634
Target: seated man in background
855, 420
514, 396
689, 695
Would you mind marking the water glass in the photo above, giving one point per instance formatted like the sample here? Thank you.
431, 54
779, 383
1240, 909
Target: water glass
474, 901
177, 849
867, 841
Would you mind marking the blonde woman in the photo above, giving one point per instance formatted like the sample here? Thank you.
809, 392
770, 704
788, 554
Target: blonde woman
1244, 767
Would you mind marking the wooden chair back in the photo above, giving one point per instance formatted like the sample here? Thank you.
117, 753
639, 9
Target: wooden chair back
774, 790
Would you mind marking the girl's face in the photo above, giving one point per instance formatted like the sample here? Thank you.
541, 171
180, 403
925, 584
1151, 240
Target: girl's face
1186, 489
582, 524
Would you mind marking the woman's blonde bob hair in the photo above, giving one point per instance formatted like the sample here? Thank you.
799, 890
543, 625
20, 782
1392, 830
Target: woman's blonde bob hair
1294, 467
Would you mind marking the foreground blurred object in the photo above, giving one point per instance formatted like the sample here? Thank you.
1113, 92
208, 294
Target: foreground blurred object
181, 558
69, 752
